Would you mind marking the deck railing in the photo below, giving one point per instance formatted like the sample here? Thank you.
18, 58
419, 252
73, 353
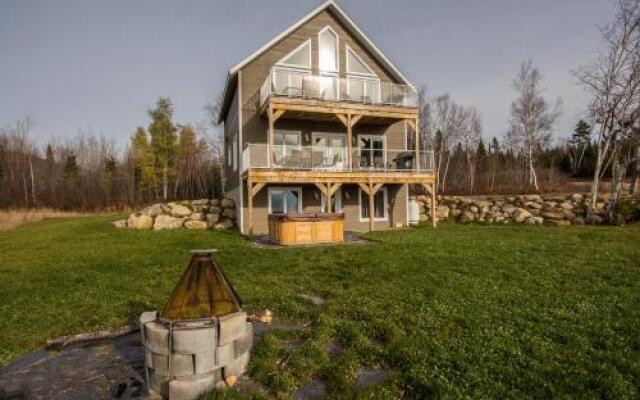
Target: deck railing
355, 89
314, 158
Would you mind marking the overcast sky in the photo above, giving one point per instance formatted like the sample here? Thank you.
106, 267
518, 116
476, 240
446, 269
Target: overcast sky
97, 66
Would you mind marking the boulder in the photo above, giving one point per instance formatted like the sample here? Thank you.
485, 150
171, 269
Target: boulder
467, 216
120, 224
578, 221
455, 213
167, 222
566, 205
534, 221
139, 221
508, 209
473, 209
228, 203
225, 224
549, 205
442, 212
196, 216
200, 202
229, 213
195, 225
153, 210
533, 205
552, 215
520, 215
212, 218
576, 197
568, 214
179, 211
215, 210
215, 202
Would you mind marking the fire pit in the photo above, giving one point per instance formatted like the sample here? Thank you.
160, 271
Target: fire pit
200, 338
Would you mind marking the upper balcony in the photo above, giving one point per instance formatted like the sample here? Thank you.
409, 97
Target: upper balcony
307, 93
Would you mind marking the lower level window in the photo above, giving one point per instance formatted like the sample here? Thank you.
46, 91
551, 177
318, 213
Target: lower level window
285, 200
380, 201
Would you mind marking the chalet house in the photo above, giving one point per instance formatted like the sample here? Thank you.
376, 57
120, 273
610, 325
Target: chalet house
320, 120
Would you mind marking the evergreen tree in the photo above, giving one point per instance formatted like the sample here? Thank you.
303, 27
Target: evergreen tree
481, 153
163, 141
144, 160
579, 145
71, 168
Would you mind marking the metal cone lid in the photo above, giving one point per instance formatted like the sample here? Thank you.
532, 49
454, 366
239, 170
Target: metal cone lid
203, 291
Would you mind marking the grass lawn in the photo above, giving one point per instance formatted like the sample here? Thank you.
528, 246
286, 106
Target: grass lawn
461, 311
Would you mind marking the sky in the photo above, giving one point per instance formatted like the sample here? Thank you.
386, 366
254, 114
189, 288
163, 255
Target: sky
96, 67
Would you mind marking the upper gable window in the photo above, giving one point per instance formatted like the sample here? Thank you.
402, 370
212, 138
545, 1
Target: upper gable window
328, 40
298, 58
355, 64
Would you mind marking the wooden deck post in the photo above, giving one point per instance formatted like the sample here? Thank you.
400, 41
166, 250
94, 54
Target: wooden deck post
417, 129
270, 134
350, 142
249, 206
371, 189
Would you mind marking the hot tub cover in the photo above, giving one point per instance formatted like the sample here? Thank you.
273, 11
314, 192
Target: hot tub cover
203, 291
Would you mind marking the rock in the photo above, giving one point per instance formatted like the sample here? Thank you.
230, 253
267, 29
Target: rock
533, 205
596, 220
120, 224
578, 221
196, 216
473, 209
200, 202
139, 221
195, 225
548, 205
229, 213
228, 203
179, 211
533, 197
566, 205
442, 212
212, 218
231, 380
215, 210
167, 222
467, 216
568, 214
576, 197
215, 202
520, 215
455, 213
225, 224
508, 209
552, 215
153, 210
534, 221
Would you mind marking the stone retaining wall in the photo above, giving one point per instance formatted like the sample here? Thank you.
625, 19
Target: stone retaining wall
558, 210
189, 214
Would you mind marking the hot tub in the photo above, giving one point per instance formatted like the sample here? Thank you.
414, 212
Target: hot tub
290, 229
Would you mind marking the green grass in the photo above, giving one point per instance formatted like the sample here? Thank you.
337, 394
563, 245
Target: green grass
461, 311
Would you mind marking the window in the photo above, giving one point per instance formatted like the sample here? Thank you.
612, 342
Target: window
380, 205
355, 64
328, 57
336, 202
291, 71
372, 151
286, 148
298, 58
329, 150
284, 200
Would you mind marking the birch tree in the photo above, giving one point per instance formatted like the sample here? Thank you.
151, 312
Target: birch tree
532, 118
613, 81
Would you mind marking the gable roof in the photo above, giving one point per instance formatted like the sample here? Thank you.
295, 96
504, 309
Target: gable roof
343, 17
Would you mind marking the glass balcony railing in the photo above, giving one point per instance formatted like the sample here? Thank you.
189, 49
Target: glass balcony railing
316, 158
356, 89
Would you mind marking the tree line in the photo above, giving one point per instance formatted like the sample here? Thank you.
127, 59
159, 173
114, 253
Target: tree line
162, 161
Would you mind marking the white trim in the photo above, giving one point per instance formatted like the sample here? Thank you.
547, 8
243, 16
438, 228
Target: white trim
384, 145
348, 50
292, 188
240, 221
337, 70
306, 43
338, 201
348, 22
385, 201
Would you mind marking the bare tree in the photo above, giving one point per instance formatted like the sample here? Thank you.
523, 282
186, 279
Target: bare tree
532, 118
613, 80
470, 134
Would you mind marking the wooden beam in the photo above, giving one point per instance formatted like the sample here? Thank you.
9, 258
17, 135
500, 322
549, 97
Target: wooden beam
355, 119
371, 207
411, 123
343, 119
250, 206
256, 188
302, 176
376, 187
364, 188
277, 114
334, 188
270, 133
342, 108
349, 142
